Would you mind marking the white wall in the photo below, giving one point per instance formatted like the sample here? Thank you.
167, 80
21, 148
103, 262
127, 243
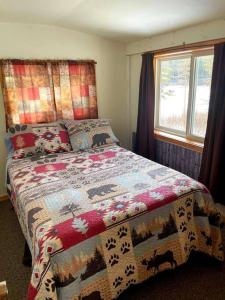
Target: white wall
203, 32
117, 91
192, 34
39, 41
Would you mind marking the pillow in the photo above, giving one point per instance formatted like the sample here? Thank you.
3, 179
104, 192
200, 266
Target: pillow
90, 133
33, 139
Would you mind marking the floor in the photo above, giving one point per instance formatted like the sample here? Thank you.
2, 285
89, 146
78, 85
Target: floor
199, 279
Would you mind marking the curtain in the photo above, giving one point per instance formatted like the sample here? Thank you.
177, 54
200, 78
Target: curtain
27, 92
144, 144
74, 90
213, 158
44, 91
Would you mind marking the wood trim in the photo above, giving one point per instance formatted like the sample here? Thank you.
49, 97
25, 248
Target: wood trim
185, 47
187, 51
180, 141
75, 61
4, 197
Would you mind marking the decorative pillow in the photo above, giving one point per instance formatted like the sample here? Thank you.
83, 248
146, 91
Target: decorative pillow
90, 133
32, 139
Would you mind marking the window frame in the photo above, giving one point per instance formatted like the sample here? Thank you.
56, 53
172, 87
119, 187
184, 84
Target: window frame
192, 54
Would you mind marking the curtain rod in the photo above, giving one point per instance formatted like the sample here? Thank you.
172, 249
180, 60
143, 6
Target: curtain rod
80, 61
183, 47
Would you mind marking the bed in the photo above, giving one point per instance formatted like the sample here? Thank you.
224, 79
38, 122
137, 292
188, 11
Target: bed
101, 220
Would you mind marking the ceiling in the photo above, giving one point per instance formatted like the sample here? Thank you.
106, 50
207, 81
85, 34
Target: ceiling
121, 20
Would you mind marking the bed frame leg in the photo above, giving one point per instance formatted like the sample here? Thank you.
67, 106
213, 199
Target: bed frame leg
27, 260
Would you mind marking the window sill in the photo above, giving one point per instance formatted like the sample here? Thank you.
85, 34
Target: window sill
177, 140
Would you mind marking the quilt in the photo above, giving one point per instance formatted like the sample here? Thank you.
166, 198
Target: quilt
101, 220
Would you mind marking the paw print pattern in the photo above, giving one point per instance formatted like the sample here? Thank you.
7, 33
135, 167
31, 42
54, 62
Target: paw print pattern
114, 259
129, 270
50, 285
46, 160
220, 257
119, 292
220, 247
181, 212
117, 282
111, 243
183, 226
130, 281
191, 236
122, 232
186, 247
192, 247
125, 247
189, 216
188, 202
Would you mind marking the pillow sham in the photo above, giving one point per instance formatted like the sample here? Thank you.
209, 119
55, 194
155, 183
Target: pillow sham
33, 139
90, 133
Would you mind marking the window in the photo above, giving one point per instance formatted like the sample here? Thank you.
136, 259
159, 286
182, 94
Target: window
182, 93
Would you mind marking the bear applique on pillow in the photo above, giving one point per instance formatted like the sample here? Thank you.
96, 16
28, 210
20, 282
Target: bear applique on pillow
90, 133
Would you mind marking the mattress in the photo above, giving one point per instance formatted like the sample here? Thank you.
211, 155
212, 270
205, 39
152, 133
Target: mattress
101, 220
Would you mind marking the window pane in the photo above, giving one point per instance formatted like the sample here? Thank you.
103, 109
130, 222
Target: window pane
203, 75
174, 88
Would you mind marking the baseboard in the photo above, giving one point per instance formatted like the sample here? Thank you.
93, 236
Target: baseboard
4, 197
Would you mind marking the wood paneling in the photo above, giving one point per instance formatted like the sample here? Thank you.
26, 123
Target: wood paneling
179, 158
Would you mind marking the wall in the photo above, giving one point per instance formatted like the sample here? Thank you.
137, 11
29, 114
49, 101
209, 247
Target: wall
207, 31
39, 41
202, 32
117, 93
